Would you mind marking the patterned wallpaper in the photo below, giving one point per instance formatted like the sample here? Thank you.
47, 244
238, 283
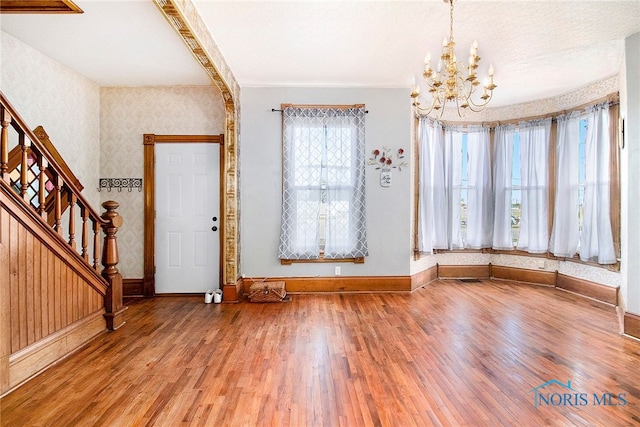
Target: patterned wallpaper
126, 114
566, 101
67, 105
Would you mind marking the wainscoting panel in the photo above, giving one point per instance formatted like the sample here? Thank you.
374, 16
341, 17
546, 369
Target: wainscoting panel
31, 360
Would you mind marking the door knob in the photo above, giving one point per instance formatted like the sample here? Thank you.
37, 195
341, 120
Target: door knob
214, 228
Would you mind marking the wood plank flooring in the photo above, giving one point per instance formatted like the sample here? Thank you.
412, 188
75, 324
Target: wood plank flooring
451, 354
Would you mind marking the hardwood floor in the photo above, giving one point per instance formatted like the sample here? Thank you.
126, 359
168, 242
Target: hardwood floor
450, 354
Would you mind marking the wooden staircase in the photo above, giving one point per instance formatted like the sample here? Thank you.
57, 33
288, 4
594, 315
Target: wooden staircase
59, 284
33, 174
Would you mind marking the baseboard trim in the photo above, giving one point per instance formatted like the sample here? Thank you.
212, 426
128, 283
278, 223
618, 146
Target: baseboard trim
538, 277
585, 288
464, 271
180, 294
632, 325
38, 357
342, 284
133, 287
603, 293
232, 292
424, 278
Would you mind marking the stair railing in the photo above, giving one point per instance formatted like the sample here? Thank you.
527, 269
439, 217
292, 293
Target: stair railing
39, 179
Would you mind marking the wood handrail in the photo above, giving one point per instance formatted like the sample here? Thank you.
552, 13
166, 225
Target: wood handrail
33, 151
10, 116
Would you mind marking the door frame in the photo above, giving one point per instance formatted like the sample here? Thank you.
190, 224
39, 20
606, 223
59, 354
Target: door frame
150, 140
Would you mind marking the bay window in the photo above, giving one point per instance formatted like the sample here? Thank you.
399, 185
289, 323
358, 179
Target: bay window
550, 186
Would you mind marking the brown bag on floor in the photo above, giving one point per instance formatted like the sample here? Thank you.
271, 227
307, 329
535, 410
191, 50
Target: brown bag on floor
267, 292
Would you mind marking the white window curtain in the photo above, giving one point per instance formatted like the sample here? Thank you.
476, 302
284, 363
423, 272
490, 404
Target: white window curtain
534, 174
452, 186
596, 239
565, 235
502, 179
323, 200
432, 205
440, 192
479, 189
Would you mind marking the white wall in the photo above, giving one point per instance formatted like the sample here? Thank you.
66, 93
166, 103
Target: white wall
388, 209
67, 105
631, 167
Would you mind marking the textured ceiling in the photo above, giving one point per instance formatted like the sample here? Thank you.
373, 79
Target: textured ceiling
538, 48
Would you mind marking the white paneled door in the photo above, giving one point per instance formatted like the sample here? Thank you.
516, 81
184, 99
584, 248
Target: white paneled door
187, 225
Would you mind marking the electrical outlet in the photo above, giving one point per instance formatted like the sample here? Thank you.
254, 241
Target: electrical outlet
542, 264
337, 271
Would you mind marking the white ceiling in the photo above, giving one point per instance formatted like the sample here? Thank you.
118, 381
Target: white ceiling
538, 48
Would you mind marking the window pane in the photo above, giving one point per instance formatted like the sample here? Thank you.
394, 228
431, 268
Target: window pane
338, 155
338, 218
306, 226
307, 149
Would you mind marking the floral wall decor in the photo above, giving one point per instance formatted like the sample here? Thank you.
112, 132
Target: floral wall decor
383, 160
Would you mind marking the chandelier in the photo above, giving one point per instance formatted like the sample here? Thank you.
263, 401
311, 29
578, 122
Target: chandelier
452, 81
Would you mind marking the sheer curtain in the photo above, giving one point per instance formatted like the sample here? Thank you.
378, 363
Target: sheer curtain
596, 240
534, 174
323, 199
453, 185
345, 159
565, 235
441, 185
433, 200
440, 201
479, 189
502, 179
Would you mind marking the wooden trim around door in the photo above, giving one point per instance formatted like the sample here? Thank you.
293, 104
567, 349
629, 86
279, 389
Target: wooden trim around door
150, 140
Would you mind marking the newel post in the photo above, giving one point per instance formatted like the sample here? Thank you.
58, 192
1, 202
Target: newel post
113, 299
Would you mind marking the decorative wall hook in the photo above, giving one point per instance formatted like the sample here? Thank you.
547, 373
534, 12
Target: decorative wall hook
120, 183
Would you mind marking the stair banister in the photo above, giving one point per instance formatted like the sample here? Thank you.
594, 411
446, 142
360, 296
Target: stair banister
109, 221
